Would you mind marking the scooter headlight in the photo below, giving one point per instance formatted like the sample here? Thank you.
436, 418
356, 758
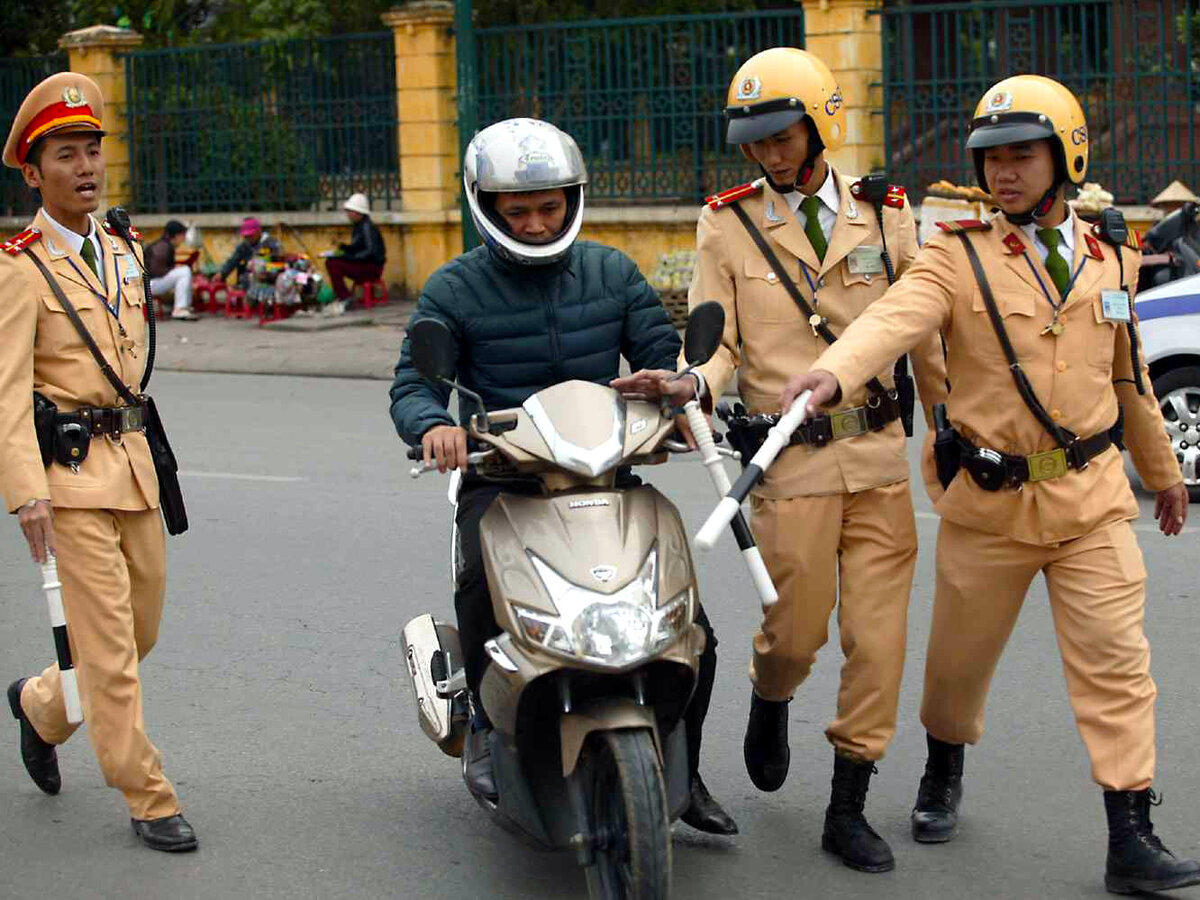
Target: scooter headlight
614, 629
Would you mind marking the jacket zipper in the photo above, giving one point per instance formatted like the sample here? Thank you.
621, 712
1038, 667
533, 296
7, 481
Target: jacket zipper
555, 346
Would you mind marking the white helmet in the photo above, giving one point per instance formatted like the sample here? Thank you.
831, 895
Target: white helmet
518, 156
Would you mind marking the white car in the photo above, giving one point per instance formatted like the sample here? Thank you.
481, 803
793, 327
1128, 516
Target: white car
1170, 329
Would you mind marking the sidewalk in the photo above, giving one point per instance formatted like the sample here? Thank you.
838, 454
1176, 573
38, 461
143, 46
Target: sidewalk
361, 344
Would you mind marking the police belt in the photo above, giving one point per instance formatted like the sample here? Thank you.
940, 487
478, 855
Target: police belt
992, 469
106, 420
820, 430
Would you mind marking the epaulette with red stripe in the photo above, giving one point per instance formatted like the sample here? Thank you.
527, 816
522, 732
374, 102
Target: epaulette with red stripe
716, 201
959, 226
133, 232
895, 198
19, 242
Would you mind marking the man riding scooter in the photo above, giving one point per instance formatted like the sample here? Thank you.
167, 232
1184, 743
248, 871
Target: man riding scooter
531, 308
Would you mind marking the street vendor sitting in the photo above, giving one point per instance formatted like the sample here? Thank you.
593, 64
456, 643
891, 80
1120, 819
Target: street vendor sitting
254, 243
360, 260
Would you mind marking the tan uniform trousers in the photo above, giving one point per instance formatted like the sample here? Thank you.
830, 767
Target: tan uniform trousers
1097, 597
867, 543
112, 567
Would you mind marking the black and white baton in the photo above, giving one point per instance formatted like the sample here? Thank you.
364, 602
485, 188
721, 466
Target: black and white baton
58, 621
741, 531
731, 504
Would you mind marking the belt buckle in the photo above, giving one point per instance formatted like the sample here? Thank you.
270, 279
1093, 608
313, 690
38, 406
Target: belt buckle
129, 418
848, 423
1050, 464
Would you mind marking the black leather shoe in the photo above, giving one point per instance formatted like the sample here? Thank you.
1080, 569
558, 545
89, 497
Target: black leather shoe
1137, 860
935, 816
704, 813
40, 758
171, 834
766, 748
477, 763
847, 833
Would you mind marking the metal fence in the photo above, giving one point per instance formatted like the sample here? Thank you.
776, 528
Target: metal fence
643, 97
1134, 64
265, 125
17, 76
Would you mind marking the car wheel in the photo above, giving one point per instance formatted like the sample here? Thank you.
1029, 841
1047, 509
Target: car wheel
1178, 393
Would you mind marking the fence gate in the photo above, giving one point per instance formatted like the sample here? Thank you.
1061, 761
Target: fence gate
1134, 64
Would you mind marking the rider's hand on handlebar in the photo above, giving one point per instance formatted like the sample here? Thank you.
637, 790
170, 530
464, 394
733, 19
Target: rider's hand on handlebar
447, 445
657, 383
824, 386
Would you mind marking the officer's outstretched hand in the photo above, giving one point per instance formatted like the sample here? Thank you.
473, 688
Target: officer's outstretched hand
37, 521
654, 384
1171, 509
824, 386
447, 445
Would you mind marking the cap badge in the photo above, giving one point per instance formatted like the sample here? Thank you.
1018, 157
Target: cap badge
999, 102
73, 97
750, 88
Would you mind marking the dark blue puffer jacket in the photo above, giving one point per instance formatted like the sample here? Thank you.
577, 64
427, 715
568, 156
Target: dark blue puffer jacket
520, 330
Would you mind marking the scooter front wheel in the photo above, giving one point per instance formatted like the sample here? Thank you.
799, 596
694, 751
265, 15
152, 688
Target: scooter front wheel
630, 824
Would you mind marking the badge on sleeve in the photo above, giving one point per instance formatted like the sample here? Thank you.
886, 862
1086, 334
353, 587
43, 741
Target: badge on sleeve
129, 270
865, 260
1115, 305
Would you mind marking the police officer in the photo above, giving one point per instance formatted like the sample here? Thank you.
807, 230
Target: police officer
1043, 357
835, 509
100, 516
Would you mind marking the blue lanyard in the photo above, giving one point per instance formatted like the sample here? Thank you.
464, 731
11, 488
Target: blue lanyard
1042, 284
115, 312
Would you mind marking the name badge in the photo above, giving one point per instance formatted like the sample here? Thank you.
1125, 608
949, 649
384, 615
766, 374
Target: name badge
130, 270
865, 261
1115, 305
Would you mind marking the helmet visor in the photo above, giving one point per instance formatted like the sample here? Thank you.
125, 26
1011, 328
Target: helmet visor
748, 124
1014, 128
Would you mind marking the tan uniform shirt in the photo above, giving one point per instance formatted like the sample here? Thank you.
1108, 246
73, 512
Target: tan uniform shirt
767, 338
42, 351
1079, 376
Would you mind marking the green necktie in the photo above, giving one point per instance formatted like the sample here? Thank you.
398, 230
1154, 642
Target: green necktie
812, 226
1055, 264
88, 252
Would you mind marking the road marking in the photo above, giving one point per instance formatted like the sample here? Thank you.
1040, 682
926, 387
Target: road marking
1144, 529
237, 476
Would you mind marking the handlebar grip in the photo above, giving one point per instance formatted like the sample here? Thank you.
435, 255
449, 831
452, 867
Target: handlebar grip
415, 453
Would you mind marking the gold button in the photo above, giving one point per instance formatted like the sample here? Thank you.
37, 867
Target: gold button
1061, 366
1056, 414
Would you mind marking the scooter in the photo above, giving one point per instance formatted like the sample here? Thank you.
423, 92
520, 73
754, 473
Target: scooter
594, 590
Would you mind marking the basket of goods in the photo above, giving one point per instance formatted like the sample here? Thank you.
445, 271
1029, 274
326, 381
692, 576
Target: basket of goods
947, 190
1091, 201
671, 278
946, 202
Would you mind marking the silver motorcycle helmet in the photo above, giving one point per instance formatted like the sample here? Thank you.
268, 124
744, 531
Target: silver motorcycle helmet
518, 156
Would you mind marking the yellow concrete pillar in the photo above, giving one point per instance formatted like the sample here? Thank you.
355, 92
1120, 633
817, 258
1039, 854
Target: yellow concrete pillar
850, 42
96, 52
425, 101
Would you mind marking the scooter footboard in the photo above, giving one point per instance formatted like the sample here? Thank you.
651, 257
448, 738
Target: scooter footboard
432, 653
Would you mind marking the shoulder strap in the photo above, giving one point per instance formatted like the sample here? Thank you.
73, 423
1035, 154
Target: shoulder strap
1062, 436
875, 386
72, 314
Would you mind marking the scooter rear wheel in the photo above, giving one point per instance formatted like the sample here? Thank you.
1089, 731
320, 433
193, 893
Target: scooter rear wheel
629, 818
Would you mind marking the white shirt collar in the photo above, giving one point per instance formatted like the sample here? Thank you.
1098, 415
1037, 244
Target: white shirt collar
1067, 242
74, 239
827, 193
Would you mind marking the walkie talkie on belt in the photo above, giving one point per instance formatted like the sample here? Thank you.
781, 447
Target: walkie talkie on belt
947, 454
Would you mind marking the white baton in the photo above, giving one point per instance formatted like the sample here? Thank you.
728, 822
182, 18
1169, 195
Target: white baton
58, 621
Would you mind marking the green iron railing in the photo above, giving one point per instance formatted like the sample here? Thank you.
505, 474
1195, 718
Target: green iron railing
266, 125
643, 97
18, 75
1134, 64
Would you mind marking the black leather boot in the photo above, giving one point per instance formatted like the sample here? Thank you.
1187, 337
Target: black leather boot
766, 745
477, 762
847, 832
704, 813
1137, 860
172, 834
935, 817
40, 758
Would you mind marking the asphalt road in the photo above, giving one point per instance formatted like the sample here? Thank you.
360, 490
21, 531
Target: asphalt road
278, 698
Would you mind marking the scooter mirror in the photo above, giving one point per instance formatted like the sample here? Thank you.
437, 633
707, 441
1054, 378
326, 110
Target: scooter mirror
705, 325
433, 350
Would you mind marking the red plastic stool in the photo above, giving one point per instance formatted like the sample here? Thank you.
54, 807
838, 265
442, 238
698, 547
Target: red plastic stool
202, 295
275, 312
234, 302
374, 293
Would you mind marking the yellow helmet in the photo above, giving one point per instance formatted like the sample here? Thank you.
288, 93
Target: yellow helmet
778, 87
1031, 108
